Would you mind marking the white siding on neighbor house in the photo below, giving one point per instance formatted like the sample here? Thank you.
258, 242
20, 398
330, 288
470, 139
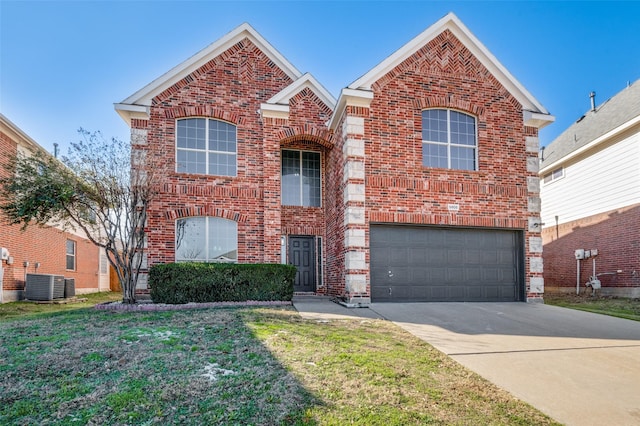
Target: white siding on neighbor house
606, 180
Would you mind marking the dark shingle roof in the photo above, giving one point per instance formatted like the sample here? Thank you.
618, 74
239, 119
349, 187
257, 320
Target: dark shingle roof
613, 113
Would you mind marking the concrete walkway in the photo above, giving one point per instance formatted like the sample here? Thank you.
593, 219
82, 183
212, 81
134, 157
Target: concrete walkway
577, 367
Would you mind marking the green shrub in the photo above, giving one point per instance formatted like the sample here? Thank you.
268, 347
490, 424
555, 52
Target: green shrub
220, 282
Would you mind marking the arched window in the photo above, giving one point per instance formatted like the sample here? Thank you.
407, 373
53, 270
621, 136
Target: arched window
449, 140
206, 239
206, 146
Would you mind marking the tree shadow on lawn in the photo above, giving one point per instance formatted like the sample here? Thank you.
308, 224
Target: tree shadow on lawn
179, 367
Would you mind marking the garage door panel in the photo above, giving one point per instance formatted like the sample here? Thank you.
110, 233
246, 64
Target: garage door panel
444, 264
455, 276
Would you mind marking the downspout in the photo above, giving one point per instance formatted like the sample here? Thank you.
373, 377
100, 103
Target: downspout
578, 280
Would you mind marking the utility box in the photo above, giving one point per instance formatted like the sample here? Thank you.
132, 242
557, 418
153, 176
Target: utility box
44, 287
580, 254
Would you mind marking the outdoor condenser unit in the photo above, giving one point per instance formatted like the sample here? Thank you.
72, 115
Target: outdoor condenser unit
69, 287
44, 287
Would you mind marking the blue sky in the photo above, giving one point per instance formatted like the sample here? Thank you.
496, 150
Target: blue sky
63, 64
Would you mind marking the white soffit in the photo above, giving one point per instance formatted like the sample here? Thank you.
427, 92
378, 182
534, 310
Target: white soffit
537, 119
130, 107
452, 23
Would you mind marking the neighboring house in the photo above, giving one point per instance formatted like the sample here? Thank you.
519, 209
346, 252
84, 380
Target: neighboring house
590, 188
46, 249
419, 183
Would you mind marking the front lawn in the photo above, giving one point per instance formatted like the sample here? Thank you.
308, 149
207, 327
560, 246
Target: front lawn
614, 306
258, 366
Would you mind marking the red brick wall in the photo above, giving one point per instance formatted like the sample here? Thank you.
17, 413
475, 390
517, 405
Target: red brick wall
44, 245
334, 207
444, 74
398, 189
231, 87
616, 236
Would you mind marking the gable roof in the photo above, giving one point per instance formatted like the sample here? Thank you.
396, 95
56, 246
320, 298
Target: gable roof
278, 105
536, 114
138, 104
612, 117
18, 135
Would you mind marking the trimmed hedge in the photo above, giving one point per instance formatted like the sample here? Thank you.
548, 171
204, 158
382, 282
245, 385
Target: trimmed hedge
177, 283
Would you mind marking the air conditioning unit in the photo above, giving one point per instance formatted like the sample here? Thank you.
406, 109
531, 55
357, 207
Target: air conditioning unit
44, 287
69, 287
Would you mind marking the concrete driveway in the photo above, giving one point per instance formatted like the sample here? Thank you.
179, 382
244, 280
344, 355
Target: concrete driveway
577, 367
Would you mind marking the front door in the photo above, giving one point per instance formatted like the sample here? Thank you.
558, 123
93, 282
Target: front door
302, 256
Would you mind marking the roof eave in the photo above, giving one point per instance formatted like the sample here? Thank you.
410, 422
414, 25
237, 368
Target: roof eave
536, 119
629, 124
352, 97
129, 112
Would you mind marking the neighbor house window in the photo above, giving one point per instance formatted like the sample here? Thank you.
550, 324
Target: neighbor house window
301, 178
449, 139
71, 255
206, 239
206, 146
554, 175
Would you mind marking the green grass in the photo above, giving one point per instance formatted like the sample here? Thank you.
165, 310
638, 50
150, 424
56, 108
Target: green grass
234, 366
614, 306
24, 309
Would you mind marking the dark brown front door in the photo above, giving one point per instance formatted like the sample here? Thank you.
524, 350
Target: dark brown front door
302, 256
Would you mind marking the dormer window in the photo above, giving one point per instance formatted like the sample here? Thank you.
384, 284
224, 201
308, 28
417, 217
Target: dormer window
206, 146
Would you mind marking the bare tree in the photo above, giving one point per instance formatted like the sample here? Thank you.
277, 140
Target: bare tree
95, 189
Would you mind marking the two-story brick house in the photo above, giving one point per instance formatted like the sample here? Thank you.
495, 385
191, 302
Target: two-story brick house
418, 183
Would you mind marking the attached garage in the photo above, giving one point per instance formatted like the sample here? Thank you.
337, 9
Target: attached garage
437, 264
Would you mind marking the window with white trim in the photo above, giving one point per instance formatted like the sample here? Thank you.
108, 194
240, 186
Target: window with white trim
300, 183
71, 255
206, 239
206, 146
554, 175
449, 140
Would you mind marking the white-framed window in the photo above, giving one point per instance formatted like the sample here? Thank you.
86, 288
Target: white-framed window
71, 255
301, 182
449, 140
554, 175
206, 146
206, 239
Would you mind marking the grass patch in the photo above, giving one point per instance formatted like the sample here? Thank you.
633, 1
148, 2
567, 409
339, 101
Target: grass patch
257, 366
613, 306
24, 309
371, 372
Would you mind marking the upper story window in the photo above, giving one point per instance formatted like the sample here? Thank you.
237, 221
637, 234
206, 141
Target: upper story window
206, 146
554, 175
449, 140
301, 178
206, 239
